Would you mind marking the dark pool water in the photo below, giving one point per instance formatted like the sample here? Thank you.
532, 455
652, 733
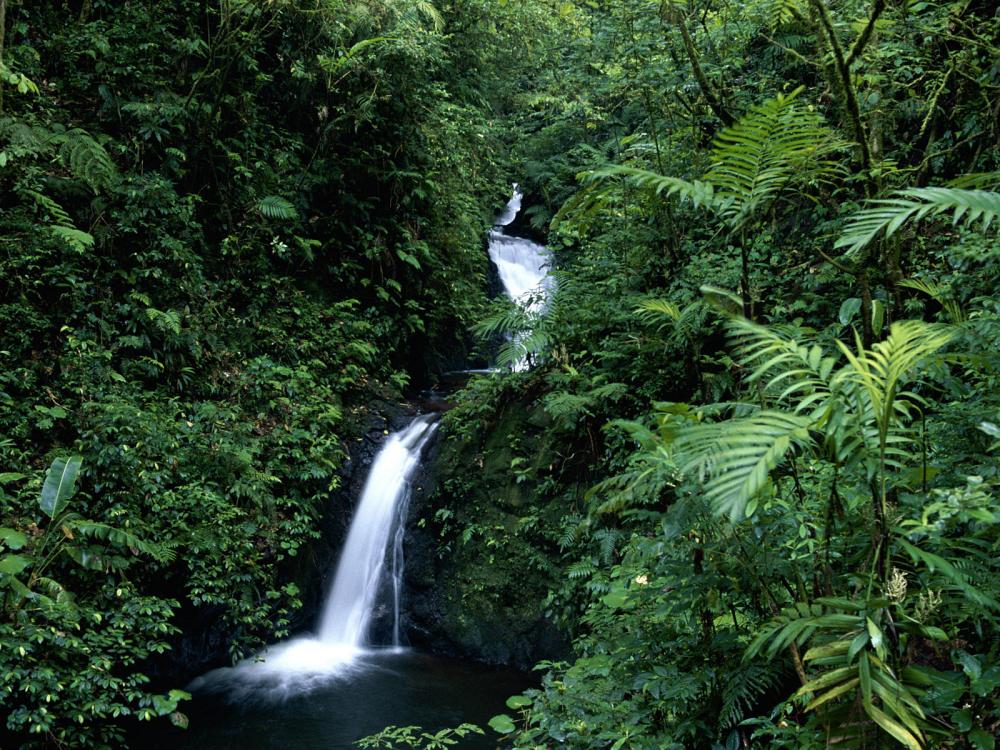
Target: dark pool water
386, 688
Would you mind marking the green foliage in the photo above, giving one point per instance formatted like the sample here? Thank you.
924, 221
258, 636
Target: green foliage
885, 217
765, 491
416, 737
229, 228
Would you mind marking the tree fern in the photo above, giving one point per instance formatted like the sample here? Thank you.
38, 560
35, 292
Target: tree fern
885, 217
687, 322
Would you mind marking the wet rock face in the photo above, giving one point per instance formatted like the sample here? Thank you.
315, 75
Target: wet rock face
469, 598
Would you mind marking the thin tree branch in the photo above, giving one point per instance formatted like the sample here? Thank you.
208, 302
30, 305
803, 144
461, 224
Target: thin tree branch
714, 102
866, 35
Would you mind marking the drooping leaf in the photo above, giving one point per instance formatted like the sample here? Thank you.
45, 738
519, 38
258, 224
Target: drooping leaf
13, 538
884, 217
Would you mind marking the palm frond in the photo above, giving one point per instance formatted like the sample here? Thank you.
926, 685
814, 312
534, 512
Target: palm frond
886, 216
940, 295
889, 365
777, 143
797, 371
735, 458
701, 194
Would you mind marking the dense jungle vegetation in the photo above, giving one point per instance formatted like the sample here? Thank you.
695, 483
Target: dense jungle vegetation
751, 473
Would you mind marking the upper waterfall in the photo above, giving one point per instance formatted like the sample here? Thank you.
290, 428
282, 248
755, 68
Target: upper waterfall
521, 264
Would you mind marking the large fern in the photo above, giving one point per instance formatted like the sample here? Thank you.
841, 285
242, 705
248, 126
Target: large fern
886, 216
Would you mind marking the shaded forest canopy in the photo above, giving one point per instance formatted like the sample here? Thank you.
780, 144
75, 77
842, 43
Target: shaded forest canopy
751, 474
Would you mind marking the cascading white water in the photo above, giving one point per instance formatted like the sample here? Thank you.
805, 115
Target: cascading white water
521, 264
301, 663
348, 609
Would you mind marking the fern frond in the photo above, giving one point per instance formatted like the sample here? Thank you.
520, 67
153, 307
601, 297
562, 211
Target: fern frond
783, 12
56, 212
653, 310
121, 538
276, 208
87, 159
886, 216
78, 240
940, 295
582, 569
743, 687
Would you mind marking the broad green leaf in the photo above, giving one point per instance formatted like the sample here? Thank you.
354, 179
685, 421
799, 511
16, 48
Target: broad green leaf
12, 538
980, 739
502, 724
12, 564
59, 486
85, 558
519, 701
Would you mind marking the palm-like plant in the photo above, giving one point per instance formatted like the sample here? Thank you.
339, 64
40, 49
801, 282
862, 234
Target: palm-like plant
850, 406
849, 642
886, 216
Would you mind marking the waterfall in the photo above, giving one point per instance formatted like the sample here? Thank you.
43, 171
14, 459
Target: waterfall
380, 515
521, 264
376, 532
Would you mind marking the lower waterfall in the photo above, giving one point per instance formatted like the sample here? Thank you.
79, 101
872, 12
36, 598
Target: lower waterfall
375, 533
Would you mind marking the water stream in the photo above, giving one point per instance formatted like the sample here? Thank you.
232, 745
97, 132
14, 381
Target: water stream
329, 688
523, 266
336, 649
